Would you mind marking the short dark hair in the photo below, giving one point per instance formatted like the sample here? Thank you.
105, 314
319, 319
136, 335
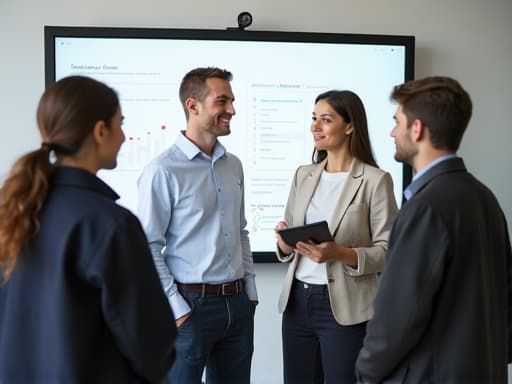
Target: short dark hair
441, 104
350, 107
194, 83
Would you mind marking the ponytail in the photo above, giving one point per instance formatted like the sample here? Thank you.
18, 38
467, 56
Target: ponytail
21, 198
66, 115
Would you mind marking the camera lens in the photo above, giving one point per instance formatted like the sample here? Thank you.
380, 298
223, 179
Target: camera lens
244, 19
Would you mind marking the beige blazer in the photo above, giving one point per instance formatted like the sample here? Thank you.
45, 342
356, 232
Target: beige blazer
362, 220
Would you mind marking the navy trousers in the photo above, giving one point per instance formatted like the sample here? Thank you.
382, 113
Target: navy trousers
316, 349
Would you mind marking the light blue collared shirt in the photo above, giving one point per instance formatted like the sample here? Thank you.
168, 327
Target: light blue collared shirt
408, 192
191, 207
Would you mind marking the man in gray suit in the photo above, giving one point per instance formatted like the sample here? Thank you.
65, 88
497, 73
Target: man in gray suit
443, 307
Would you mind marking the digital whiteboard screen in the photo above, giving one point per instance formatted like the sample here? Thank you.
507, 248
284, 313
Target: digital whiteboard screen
277, 76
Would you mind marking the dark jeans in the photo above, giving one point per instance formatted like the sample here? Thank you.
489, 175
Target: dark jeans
316, 349
218, 335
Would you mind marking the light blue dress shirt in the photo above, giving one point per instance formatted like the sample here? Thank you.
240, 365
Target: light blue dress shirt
408, 192
191, 207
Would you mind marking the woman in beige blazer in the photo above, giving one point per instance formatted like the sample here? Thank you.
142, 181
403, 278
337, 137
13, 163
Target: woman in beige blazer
329, 290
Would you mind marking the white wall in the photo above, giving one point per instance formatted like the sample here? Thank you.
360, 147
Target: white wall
470, 40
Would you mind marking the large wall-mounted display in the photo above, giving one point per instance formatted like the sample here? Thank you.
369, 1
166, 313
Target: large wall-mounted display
277, 76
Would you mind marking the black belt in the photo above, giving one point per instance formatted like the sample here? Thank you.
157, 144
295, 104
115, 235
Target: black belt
225, 289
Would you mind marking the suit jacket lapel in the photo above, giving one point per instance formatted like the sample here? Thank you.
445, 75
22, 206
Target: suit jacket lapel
352, 184
308, 187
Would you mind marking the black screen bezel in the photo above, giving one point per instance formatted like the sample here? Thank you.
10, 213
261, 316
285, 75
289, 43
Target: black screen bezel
53, 32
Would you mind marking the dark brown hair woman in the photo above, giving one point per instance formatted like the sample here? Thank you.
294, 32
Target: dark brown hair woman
80, 299
328, 293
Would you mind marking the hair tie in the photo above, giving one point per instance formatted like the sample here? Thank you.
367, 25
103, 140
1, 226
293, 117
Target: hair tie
52, 156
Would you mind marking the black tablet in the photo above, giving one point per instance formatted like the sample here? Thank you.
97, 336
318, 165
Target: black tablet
317, 232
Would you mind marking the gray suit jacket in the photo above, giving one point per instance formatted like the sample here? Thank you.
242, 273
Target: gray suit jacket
362, 220
443, 310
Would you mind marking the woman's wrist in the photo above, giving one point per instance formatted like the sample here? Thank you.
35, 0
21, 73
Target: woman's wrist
283, 253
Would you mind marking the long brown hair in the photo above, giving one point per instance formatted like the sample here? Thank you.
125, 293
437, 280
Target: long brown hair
66, 114
350, 107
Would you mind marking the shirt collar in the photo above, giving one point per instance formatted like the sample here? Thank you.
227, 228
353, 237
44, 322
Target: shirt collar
408, 192
191, 150
80, 178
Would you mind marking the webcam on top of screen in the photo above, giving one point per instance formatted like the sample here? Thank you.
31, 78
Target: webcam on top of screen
244, 20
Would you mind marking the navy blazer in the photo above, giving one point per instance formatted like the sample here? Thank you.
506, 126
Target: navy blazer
442, 311
84, 303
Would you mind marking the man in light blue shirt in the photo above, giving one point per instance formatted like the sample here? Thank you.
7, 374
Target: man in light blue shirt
191, 205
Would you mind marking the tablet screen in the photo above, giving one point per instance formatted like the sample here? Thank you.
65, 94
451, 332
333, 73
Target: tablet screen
317, 232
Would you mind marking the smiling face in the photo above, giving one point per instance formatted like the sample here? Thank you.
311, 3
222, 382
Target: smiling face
330, 131
214, 113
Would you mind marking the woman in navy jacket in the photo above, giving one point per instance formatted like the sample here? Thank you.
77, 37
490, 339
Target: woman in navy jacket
80, 300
